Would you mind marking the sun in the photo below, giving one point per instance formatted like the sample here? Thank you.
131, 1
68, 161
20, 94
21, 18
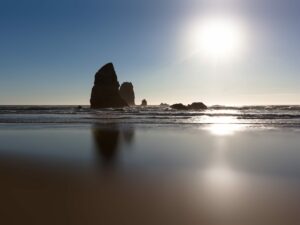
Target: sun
216, 38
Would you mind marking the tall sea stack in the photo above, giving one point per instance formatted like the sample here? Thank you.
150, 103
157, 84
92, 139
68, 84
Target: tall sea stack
127, 93
105, 93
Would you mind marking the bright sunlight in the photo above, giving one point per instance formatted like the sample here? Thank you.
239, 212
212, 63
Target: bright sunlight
216, 38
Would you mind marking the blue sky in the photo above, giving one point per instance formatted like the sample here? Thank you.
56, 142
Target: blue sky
50, 51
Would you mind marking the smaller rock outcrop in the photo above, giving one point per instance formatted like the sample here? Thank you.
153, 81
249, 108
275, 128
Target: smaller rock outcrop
127, 93
193, 106
179, 106
197, 106
164, 104
144, 102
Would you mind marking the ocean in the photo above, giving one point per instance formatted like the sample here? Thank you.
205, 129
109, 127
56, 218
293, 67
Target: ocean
254, 116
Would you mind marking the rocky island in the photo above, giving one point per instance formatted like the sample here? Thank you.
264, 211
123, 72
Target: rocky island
127, 93
105, 92
193, 106
144, 102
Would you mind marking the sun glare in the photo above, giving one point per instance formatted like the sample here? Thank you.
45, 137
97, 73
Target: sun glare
224, 126
225, 129
216, 39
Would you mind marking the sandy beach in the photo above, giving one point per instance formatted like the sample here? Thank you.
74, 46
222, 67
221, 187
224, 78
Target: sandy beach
143, 174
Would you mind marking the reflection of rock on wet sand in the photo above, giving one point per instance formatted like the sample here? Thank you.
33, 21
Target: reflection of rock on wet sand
128, 135
109, 141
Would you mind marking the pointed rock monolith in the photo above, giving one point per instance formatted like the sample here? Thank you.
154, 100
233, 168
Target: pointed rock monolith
105, 92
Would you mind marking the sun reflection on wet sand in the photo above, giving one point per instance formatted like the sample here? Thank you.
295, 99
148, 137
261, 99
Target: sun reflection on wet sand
222, 126
220, 176
225, 129
221, 182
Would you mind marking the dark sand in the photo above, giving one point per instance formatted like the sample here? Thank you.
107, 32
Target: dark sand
68, 174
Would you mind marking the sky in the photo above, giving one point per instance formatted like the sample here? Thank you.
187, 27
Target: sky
51, 50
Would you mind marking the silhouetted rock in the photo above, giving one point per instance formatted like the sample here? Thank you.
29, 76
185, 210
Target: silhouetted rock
179, 106
127, 93
197, 106
105, 93
164, 104
144, 102
193, 106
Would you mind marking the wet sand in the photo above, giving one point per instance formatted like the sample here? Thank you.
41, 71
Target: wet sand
126, 174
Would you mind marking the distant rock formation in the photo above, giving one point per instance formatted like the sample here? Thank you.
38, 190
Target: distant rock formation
105, 93
179, 106
127, 93
164, 104
197, 106
144, 102
193, 106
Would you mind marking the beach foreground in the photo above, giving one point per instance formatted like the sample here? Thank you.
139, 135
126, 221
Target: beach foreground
145, 174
